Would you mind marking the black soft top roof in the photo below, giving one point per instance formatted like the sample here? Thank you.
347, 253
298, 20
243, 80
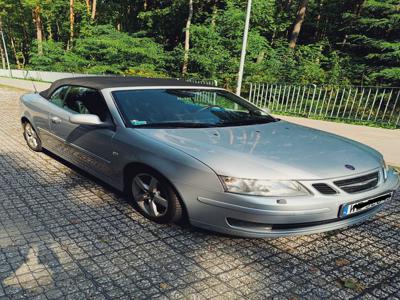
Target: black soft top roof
103, 82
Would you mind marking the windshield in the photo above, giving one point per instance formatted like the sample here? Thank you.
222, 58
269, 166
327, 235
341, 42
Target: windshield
186, 108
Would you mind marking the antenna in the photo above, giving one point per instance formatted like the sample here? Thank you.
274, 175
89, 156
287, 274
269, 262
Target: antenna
34, 87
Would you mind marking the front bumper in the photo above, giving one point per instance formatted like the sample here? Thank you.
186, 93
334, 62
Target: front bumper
252, 216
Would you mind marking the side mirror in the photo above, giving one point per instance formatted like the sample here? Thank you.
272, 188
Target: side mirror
87, 119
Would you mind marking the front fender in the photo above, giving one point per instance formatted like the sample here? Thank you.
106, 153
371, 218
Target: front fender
186, 173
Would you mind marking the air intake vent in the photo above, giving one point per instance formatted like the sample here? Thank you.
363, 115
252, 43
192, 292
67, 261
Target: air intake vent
324, 189
359, 184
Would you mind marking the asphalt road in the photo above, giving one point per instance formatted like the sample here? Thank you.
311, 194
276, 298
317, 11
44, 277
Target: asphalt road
65, 235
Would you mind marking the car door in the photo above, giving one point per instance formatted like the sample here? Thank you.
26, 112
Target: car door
54, 107
41, 114
90, 147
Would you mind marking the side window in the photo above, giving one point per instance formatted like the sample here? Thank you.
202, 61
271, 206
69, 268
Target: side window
86, 101
58, 96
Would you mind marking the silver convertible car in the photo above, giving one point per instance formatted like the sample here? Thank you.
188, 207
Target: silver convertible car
189, 151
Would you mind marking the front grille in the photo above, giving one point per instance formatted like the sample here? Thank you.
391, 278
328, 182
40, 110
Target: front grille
324, 189
358, 184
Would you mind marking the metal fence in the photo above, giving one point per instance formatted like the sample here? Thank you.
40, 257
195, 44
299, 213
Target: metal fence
205, 97
376, 105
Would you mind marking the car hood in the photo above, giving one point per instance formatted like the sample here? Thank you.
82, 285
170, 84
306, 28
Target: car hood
278, 150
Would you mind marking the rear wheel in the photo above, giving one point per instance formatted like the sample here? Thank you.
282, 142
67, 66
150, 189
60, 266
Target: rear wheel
31, 137
154, 197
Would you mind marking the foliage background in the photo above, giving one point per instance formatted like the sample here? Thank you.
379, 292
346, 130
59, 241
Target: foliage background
340, 42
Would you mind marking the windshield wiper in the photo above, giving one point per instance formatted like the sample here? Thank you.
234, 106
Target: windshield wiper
174, 125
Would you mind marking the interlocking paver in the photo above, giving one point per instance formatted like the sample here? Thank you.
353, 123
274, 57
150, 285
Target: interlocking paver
63, 234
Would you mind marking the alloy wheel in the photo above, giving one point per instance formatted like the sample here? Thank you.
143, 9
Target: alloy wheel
31, 137
149, 195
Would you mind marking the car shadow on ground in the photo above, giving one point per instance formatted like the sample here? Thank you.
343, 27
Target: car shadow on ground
50, 238
123, 196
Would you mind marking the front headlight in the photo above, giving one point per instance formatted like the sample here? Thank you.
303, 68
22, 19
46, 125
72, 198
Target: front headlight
270, 188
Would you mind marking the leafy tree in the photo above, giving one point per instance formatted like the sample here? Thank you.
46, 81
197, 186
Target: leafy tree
103, 49
374, 40
336, 42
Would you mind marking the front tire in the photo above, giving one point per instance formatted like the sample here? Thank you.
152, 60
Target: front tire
154, 197
31, 137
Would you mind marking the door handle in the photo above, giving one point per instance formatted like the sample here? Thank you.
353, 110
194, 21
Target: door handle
56, 120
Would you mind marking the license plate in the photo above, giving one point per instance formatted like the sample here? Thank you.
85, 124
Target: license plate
355, 207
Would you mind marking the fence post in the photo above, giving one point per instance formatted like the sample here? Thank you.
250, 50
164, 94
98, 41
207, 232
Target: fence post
394, 106
312, 100
341, 100
278, 98
366, 103
373, 104
292, 100
334, 102
347, 102
379, 107
283, 98
323, 101
319, 97
297, 99
387, 104
251, 89
352, 104
288, 98
302, 98
359, 103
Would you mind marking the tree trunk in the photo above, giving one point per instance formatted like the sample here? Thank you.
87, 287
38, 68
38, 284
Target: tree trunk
301, 12
14, 49
3, 58
288, 6
94, 7
50, 31
318, 19
2, 53
187, 39
359, 7
88, 7
25, 48
38, 25
214, 14
71, 23
2, 50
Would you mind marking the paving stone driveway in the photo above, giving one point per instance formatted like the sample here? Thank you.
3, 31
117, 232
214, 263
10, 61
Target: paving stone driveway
63, 234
